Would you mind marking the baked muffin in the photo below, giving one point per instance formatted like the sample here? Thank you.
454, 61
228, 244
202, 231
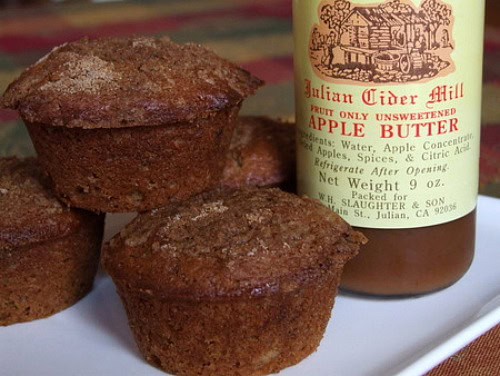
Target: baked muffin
232, 282
48, 252
262, 153
128, 124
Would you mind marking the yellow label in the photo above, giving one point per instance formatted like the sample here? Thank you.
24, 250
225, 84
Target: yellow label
388, 98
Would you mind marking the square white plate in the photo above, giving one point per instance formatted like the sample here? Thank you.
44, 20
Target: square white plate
365, 336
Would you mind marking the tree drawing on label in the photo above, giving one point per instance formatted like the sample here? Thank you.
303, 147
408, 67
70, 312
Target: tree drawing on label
437, 14
389, 42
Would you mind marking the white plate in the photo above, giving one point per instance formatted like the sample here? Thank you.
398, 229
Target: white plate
365, 336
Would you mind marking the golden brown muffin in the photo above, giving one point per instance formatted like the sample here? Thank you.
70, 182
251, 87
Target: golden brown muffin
127, 124
48, 252
232, 282
262, 153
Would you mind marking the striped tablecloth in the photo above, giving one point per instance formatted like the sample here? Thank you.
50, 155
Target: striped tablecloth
257, 34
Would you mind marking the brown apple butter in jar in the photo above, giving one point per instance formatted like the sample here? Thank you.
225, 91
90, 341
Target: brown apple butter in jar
388, 106
412, 261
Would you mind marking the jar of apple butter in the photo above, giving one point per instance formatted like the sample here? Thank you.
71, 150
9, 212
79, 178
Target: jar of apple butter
388, 96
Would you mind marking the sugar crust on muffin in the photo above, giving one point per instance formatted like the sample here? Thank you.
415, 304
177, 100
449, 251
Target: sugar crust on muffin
262, 153
217, 244
125, 82
30, 211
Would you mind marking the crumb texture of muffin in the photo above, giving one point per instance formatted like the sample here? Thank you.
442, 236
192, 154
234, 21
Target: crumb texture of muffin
136, 168
231, 282
262, 153
48, 253
127, 124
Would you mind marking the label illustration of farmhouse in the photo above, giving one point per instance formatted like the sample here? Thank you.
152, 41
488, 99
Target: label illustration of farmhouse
388, 98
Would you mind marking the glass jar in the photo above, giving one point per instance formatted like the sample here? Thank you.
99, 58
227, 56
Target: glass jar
388, 99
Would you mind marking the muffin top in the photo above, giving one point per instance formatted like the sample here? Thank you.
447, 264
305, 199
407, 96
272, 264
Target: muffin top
125, 82
30, 212
223, 244
262, 153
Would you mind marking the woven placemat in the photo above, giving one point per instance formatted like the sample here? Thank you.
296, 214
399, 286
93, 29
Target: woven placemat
480, 358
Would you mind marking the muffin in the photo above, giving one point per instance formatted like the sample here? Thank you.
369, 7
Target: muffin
128, 124
230, 282
48, 252
262, 153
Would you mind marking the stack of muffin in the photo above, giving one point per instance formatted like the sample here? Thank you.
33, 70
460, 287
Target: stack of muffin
216, 277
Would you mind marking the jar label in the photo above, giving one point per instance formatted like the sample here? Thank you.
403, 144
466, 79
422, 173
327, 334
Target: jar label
388, 101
